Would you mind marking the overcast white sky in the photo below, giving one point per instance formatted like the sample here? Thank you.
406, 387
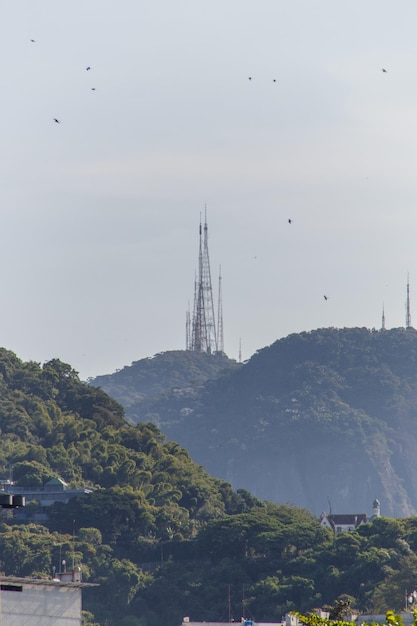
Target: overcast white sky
99, 214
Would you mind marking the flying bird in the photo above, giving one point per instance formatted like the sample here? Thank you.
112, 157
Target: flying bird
289, 220
383, 70
88, 68
33, 40
93, 88
325, 297
56, 121
250, 78
274, 80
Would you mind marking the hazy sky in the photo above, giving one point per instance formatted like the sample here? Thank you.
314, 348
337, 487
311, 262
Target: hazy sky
99, 214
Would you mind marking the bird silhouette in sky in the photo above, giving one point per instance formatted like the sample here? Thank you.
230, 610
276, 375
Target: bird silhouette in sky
56, 121
88, 68
383, 70
33, 40
274, 80
93, 88
325, 297
250, 78
289, 220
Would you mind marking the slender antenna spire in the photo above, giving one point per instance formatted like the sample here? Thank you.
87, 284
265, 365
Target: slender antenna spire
199, 319
210, 319
240, 350
188, 328
383, 318
220, 335
407, 306
204, 338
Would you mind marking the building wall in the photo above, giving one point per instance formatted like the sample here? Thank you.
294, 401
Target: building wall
38, 605
238, 623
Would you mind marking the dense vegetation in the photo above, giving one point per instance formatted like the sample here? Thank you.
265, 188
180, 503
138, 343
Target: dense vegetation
161, 536
277, 558
339, 615
172, 375
324, 415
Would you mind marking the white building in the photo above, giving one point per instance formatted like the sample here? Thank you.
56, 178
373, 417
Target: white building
291, 619
343, 523
40, 602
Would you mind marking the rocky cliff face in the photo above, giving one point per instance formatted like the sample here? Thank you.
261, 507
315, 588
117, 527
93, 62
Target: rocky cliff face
319, 417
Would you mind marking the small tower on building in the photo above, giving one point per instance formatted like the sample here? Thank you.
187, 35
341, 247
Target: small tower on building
376, 508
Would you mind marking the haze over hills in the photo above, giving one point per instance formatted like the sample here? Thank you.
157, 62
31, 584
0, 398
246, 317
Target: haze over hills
175, 372
328, 416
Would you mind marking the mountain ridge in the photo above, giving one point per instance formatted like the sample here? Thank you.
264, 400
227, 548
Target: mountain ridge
329, 414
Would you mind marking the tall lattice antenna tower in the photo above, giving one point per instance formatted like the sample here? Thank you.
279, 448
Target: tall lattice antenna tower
220, 334
407, 306
383, 317
204, 338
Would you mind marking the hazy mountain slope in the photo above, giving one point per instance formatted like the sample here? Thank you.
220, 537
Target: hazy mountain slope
329, 415
176, 373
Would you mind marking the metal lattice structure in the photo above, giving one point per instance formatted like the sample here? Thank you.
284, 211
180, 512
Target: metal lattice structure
407, 306
201, 333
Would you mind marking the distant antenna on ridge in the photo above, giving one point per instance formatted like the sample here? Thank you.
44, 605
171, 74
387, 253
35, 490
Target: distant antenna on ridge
407, 306
220, 335
188, 328
240, 350
383, 318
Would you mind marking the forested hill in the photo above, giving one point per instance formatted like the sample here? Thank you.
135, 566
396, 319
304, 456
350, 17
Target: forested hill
54, 425
165, 539
318, 417
146, 491
176, 372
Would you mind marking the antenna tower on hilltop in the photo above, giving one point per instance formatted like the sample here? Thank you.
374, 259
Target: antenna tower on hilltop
407, 306
220, 335
201, 330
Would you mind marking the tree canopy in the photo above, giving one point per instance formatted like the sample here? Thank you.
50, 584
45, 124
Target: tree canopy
160, 535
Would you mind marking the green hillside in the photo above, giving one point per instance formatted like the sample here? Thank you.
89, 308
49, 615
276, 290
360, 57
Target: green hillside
328, 415
162, 537
176, 374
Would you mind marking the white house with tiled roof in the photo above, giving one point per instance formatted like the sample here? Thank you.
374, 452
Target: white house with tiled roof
348, 521
343, 523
